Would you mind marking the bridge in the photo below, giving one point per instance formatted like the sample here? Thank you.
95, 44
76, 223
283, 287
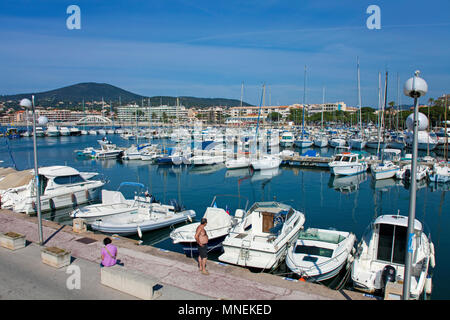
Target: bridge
94, 119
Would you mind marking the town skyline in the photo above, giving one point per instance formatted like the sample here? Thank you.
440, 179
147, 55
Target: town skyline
208, 49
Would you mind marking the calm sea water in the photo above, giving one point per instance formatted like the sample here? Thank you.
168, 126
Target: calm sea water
348, 203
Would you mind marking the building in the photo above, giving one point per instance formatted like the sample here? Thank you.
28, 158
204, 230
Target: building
250, 114
162, 113
329, 107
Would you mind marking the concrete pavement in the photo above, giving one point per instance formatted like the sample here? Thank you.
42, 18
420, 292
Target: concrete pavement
178, 274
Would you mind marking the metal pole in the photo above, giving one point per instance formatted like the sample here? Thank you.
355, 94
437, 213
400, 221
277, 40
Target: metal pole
412, 206
38, 196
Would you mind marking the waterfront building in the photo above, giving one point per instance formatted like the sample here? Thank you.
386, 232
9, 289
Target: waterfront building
129, 113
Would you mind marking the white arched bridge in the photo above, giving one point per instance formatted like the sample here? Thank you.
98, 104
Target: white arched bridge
95, 119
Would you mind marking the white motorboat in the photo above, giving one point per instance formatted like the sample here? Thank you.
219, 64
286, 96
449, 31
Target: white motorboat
384, 170
60, 187
83, 132
321, 141
155, 216
261, 239
303, 143
348, 163
107, 151
114, 203
205, 157
320, 254
440, 172
387, 168
218, 227
52, 131
74, 131
92, 132
287, 139
266, 162
380, 256
337, 142
239, 162
405, 172
64, 131
357, 143
40, 132
132, 153
102, 132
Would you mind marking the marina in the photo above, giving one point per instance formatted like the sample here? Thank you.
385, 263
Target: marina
327, 201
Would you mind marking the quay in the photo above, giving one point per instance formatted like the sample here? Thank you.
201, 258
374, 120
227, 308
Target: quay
177, 274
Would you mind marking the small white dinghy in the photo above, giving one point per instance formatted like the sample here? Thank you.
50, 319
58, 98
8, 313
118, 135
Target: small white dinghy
320, 254
218, 227
114, 203
157, 216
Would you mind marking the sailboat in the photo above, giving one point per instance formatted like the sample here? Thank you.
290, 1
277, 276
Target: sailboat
359, 142
303, 142
321, 140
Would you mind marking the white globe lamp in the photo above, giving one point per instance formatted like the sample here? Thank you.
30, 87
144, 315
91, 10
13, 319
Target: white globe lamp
422, 122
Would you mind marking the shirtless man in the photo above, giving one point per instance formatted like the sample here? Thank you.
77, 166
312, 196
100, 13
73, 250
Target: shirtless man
202, 241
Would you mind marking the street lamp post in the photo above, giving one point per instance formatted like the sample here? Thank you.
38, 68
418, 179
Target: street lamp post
415, 87
26, 103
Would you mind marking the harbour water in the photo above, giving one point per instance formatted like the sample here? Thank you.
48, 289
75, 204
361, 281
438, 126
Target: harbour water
347, 203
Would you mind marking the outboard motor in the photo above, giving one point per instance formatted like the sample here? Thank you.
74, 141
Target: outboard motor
388, 275
176, 205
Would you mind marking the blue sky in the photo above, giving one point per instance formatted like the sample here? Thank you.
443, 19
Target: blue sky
208, 48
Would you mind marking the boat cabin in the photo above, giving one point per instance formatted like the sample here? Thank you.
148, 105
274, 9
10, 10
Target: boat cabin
267, 218
390, 236
58, 176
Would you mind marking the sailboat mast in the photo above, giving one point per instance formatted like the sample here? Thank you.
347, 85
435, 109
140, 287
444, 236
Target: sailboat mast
304, 102
359, 100
323, 105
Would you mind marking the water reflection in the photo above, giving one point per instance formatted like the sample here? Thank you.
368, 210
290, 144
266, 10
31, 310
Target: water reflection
347, 184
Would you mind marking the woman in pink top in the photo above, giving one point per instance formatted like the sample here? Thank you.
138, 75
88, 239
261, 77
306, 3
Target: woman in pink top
109, 253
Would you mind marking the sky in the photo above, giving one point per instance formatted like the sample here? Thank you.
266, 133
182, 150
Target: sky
209, 48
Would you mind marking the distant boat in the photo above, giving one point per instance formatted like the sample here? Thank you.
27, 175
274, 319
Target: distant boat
348, 163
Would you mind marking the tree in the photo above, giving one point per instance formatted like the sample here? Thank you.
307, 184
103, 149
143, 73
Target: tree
274, 116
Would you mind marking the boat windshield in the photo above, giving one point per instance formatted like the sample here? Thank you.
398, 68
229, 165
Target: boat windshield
392, 243
314, 251
76, 178
338, 158
316, 235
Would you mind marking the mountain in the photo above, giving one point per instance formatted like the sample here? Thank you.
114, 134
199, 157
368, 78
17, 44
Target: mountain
92, 91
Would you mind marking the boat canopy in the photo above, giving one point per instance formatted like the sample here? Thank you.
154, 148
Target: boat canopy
394, 151
133, 184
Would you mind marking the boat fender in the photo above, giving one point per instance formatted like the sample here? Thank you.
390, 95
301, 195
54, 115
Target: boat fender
52, 204
432, 256
139, 231
33, 205
73, 197
428, 284
87, 195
